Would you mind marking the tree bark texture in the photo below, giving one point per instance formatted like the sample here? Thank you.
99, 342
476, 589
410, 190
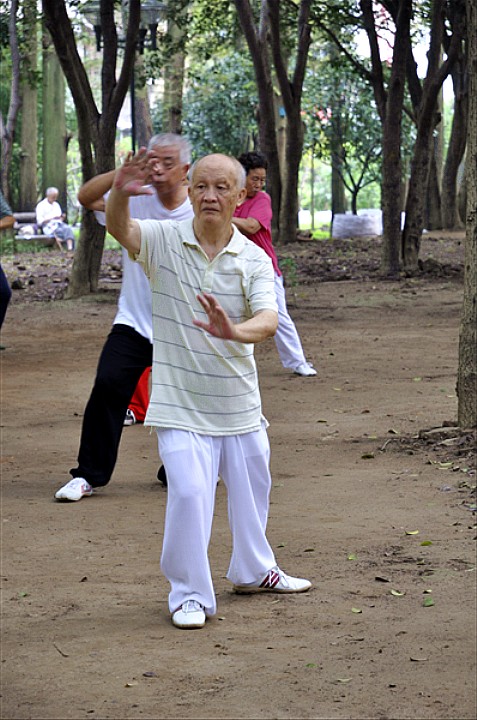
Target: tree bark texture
143, 121
257, 42
174, 81
390, 107
467, 372
426, 119
456, 149
96, 130
28, 197
7, 128
54, 125
433, 215
291, 90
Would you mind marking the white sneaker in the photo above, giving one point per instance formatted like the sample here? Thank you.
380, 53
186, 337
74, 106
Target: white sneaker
189, 616
130, 418
275, 581
74, 490
305, 370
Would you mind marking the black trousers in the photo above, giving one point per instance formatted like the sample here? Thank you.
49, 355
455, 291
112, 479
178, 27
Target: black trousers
5, 295
125, 356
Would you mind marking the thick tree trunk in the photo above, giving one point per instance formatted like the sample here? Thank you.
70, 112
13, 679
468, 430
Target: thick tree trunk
289, 201
467, 372
390, 197
29, 133
54, 125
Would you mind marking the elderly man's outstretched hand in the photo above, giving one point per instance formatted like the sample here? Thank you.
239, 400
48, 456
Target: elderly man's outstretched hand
133, 176
219, 324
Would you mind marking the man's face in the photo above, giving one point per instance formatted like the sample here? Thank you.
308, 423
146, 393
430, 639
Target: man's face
52, 197
214, 193
255, 181
167, 171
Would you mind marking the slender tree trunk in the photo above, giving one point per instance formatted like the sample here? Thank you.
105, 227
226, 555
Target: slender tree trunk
7, 127
455, 154
174, 80
29, 132
54, 124
467, 372
142, 120
338, 198
414, 222
433, 216
256, 37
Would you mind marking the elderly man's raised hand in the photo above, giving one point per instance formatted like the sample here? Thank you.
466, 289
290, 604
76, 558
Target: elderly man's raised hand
133, 177
219, 324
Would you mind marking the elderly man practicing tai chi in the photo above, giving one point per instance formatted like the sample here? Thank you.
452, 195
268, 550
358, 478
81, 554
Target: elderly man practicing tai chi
213, 298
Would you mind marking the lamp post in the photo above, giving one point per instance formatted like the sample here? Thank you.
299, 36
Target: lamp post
151, 13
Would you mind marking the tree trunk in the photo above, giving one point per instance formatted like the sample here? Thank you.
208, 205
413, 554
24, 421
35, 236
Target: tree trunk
390, 106
142, 120
174, 81
257, 42
54, 125
29, 133
425, 107
338, 198
467, 372
96, 131
291, 91
7, 128
289, 202
455, 153
414, 222
433, 217
390, 199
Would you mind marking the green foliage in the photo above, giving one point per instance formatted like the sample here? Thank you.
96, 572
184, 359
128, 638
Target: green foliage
220, 106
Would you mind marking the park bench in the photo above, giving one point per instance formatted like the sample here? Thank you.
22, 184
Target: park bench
26, 229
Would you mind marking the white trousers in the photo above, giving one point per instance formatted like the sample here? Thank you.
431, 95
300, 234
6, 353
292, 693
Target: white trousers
287, 339
192, 463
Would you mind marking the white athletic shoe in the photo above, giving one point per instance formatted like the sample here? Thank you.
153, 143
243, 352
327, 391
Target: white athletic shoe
189, 616
305, 370
74, 490
275, 581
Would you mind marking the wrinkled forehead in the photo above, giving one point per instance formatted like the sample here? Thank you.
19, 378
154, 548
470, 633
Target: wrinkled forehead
166, 152
215, 169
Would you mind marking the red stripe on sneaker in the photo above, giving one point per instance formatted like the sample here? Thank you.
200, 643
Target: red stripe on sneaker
271, 580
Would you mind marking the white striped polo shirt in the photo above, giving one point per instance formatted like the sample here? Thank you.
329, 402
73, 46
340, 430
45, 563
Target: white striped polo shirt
202, 383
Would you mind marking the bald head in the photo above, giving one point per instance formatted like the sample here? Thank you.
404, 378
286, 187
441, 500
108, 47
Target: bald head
217, 162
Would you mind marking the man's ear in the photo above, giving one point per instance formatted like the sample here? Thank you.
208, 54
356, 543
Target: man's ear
241, 196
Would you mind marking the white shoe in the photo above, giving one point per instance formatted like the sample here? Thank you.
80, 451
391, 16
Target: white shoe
275, 581
74, 490
130, 418
189, 616
305, 370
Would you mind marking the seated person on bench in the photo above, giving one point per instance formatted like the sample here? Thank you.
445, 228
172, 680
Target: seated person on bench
49, 219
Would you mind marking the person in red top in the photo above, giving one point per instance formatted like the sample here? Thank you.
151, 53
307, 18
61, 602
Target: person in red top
254, 219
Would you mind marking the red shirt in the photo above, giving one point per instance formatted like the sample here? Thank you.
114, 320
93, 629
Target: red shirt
259, 207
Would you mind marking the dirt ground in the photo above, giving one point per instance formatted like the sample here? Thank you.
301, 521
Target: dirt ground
379, 515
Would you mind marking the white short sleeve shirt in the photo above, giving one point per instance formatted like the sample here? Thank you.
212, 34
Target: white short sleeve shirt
202, 383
